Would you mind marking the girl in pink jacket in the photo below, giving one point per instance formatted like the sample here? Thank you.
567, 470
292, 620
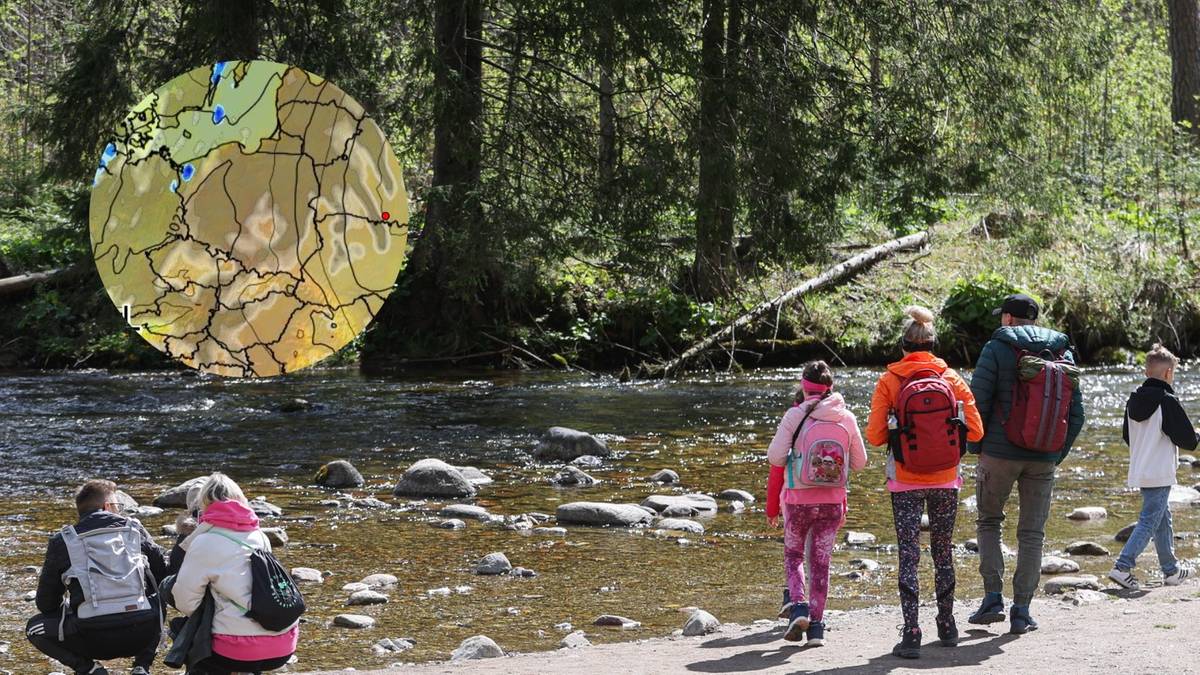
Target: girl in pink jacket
814, 450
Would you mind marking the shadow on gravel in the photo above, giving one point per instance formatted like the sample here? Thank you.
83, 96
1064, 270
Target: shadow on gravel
757, 638
1125, 593
975, 648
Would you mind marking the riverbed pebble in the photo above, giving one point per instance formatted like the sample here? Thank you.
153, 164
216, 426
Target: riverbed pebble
465, 511
393, 645
680, 524
366, 598
972, 545
493, 563
564, 627
264, 509
30, 596
176, 497
551, 531
700, 502
276, 535
1053, 564
1086, 548
450, 524
354, 587
475, 476
170, 530
665, 477
443, 591
369, 503
1057, 585
1088, 513
379, 580
123, 501
1083, 596
1187, 459
616, 621
477, 647
353, 621
859, 538
434, 478
1183, 496
522, 572
338, 474
701, 623
679, 511
602, 514
571, 476
564, 444
865, 564
733, 494
307, 575
737, 506
574, 640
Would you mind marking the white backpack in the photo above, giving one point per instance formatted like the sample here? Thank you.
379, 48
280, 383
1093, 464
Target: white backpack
111, 570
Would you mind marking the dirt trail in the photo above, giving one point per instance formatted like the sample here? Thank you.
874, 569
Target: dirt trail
1150, 632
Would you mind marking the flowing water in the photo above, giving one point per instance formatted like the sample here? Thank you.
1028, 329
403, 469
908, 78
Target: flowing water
152, 431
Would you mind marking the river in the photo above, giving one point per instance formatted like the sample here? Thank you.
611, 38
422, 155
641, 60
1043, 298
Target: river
149, 431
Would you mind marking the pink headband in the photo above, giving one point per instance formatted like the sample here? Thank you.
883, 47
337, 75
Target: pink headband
811, 387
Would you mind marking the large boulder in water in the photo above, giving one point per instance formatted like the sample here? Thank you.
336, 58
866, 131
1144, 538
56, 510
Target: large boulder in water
565, 445
602, 514
338, 474
475, 476
434, 478
124, 501
701, 503
176, 497
478, 647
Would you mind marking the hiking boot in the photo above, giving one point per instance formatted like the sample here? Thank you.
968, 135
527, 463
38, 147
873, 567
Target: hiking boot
991, 610
785, 610
910, 644
816, 634
947, 632
1019, 621
799, 623
1182, 574
1126, 579
96, 668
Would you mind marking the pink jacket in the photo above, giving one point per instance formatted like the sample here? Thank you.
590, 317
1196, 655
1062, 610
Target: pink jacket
830, 409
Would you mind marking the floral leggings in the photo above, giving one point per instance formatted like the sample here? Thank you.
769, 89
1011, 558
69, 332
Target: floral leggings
810, 531
906, 509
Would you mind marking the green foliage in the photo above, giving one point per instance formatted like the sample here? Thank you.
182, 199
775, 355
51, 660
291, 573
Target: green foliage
38, 230
966, 315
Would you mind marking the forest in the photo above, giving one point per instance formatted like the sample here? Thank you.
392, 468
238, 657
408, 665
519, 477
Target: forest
598, 184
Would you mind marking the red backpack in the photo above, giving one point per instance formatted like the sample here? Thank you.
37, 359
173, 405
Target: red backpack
929, 436
1041, 401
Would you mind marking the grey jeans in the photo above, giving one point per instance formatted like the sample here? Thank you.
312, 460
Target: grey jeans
994, 479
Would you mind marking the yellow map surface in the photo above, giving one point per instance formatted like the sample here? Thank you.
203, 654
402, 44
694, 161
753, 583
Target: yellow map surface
248, 218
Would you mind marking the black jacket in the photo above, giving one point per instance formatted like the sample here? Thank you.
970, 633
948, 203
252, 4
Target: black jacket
1155, 393
50, 585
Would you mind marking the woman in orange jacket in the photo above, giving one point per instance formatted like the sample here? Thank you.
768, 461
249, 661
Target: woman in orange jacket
914, 488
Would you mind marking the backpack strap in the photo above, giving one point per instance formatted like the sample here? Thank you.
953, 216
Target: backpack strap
239, 542
791, 482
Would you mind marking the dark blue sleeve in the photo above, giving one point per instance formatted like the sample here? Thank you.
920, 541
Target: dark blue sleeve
1076, 419
983, 386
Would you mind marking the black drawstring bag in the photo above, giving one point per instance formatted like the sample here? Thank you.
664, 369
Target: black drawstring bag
275, 600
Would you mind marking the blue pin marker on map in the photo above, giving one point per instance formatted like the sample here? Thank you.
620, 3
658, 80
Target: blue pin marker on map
110, 151
174, 185
188, 171
218, 114
217, 70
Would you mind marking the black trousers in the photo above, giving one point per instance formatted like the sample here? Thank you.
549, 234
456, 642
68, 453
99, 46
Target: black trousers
220, 665
85, 644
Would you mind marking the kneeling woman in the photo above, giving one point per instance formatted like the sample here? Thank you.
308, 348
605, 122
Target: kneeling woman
218, 559
922, 410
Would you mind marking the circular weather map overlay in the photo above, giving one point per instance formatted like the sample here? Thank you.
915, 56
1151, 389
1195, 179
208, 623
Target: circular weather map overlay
248, 219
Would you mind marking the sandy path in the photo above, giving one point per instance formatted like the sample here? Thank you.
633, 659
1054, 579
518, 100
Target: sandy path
1154, 633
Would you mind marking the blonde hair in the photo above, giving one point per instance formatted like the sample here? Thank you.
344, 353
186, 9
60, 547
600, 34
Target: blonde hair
918, 326
220, 488
1160, 359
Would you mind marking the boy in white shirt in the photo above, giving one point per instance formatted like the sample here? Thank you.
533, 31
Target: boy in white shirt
1156, 426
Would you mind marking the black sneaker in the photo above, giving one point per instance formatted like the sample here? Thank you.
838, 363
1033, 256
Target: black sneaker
96, 668
799, 623
1019, 621
991, 610
947, 632
910, 644
785, 609
816, 634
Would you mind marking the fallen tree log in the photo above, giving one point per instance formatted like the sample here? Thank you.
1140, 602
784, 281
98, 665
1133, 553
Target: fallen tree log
838, 272
11, 286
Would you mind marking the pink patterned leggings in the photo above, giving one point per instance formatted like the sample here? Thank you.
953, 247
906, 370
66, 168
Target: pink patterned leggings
809, 534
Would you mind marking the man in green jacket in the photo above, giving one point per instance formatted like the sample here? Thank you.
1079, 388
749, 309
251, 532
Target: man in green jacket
1001, 463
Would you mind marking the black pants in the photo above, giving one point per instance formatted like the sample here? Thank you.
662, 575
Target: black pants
85, 644
220, 665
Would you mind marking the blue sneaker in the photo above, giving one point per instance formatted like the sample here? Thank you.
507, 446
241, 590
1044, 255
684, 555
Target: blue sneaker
816, 634
799, 623
1019, 621
785, 610
991, 610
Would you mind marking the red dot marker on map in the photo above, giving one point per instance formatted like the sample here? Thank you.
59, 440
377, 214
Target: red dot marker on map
386, 215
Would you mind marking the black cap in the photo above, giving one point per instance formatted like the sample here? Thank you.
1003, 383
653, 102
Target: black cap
1019, 305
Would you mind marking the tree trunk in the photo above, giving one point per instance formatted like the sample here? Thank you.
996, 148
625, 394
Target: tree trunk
1184, 42
717, 196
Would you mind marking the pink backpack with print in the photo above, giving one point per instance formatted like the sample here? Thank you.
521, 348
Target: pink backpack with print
819, 456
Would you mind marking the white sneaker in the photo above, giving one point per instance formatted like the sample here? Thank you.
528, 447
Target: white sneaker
1126, 579
1181, 575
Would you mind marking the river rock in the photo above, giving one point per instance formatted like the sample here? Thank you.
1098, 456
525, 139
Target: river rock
493, 563
701, 623
574, 640
176, 497
366, 598
394, 645
859, 538
370, 503
379, 580
124, 501
1052, 564
564, 445
354, 587
29, 596
665, 477
570, 476
338, 474
450, 524
972, 545
1183, 496
1057, 585
475, 476
733, 495
551, 531
1086, 548
736, 506
296, 405
702, 503
478, 647
265, 509
613, 620
521, 523
681, 524
465, 511
1187, 459
602, 514
353, 621
522, 573
1088, 513
170, 530
588, 462
276, 535
679, 511
1125, 533
307, 575
143, 512
1083, 596
434, 478
865, 564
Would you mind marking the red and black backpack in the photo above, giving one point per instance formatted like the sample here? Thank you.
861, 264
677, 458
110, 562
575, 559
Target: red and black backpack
929, 436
